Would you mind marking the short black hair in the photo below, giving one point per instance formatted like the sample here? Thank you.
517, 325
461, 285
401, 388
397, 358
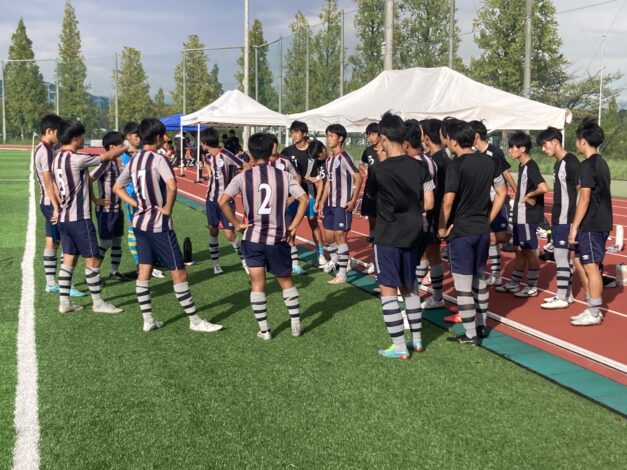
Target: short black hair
460, 131
520, 139
130, 128
445, 123
274, 138
337, 129
591, 132
479, 128
69, 129
50, 121
393, 127
260, 146
413, 133
373, 128
113, 138
315, 149
299, 126
548, 134
150, 129
232, 131
210, 137
431, 128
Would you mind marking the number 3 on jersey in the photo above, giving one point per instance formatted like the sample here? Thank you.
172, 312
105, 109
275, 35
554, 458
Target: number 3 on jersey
266, 193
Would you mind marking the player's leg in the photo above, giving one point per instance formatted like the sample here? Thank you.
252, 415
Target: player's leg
130, 235
213, 220
51, 245
513, 285
318, 239
116, 247
289, 217
479, 285
276, 256
70, 258
591, 246
436, 269
499, 228
342, 257
409, 291
532, 263
563, 271
231, 236
329, 239
255, 256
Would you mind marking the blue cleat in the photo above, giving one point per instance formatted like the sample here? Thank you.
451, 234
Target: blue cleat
297, 270
53, 289
392, 353
415, 346
74, 292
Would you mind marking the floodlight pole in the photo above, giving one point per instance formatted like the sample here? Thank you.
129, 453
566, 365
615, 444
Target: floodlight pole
601, 79
246, 131
281, 74
388, 35
56, 84
256, 48
527, 73
117, 95
342, 53
307, 68
451, 33
4, 114
184, 81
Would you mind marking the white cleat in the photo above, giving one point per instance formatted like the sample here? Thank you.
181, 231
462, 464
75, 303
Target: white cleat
426, 281
587, 319
349, 264
264, 335
430, 304
494, 281
570, 299
296, 330
69, 308
370, 269
527, 292
337, 280
106, 307
511, 287
330, 266
217, 269
157, 273
322, 261
579, 316
554, 303
205, 326
152, 325
245, 267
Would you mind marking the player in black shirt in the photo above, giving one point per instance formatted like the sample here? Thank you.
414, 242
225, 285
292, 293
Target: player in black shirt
465, 224
402, 189
593, 220
565, 188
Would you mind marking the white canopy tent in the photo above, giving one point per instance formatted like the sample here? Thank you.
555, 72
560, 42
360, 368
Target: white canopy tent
421, 93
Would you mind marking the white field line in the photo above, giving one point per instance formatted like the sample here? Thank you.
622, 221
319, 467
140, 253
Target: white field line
26, 450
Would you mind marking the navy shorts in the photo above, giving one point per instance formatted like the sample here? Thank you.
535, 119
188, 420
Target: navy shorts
499, 224
79, 238
159, 246
468, 254
525, 236
47, 210
337, 218
215, 216
590, 247
275, 258
368, 207
292, 209
110, 225
396, 267
559, 236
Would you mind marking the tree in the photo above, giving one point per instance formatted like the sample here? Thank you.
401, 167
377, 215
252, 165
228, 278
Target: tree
160, 107
74, 100
614, 126
201, 87
367, 60
325, 57
424, 31
266, 94
295, 73
26, 95
133, 89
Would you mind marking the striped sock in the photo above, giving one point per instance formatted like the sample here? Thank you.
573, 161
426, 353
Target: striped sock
92, 277
532, 277
421, 270
516, 276
414, 315
437, 277
142, 290
50, 267
184, 296
466, 303
495, 260
320, 250
294, 255
342, 258
214, 250
132, 244
292, 302
236, 246
594, 306
481, 297
103, 246
393, 320
563, 277
570, 279
260, 309
116, 254
331, 250
65, 283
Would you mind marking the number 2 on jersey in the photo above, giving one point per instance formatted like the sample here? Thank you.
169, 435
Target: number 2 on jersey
266, 193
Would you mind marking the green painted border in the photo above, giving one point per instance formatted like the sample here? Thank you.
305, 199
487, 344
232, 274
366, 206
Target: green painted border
580, 380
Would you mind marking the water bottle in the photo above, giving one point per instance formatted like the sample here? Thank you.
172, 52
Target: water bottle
620, 233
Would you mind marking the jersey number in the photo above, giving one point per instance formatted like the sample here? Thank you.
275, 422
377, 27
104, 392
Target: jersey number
266, 194
140, 184
60, 182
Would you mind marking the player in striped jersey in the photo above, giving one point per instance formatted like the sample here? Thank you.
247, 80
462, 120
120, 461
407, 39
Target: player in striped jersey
265, 190
339, 198
78, 235
222, 166
108, 207
565, 189
155, 185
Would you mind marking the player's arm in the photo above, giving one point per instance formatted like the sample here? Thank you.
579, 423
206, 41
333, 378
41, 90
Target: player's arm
530, 198
170, 198
445, 214
233, 189
357, 179
113, 153
499, 198
510, 180
52, 193
582, 207
322, 198
119, 188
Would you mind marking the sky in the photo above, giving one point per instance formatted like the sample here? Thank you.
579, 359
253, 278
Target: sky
158, 29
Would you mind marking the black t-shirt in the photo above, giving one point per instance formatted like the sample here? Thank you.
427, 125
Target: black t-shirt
595, 174
441, 160
565, 181
304, 165
496, 153
370, 156
398, 185
529, 178
470, 177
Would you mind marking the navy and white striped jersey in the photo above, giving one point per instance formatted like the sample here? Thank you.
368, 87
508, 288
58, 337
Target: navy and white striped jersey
71, 176
224, 166
106, 175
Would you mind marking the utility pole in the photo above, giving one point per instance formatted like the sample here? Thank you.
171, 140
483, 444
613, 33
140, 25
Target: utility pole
307, 68
601, 80
388, 35
117, 95
184, 81
4, 92
527, 73
256, 48
451, 33
342, 53
246, 131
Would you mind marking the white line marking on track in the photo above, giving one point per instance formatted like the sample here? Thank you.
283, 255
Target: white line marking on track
26, 450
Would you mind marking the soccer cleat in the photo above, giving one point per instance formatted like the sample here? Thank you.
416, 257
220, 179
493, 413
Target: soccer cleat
217, 269
392, 353
587, 319
579, 316
265, 335
527, 292
431, 304
554, 303
570, 299
69, 308
53, 289
415, 346
349, 264
322, 261
106, 307
494, 280
205, 326
370, 269
454, 318
152, 325
511, 287
117, 276
245, 266
74, 292
426, 281
297, 270
482, 331
296, 330
329, 266
157, 273
609, 282
337, 280
463, 339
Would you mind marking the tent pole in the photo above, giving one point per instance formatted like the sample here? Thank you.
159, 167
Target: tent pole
198, 171
182, 165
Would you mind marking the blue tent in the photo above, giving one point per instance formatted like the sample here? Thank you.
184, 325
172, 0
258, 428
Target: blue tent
173, 123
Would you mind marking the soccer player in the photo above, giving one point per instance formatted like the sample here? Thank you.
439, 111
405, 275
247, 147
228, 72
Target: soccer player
528, 214
222, 166
403, 190
265, 190
339, 198
499, 225
565, 188
78, 235
155, 187
465, 224
108, 208
593, 220
307, 168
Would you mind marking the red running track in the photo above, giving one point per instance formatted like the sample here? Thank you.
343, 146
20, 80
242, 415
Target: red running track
598, 348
